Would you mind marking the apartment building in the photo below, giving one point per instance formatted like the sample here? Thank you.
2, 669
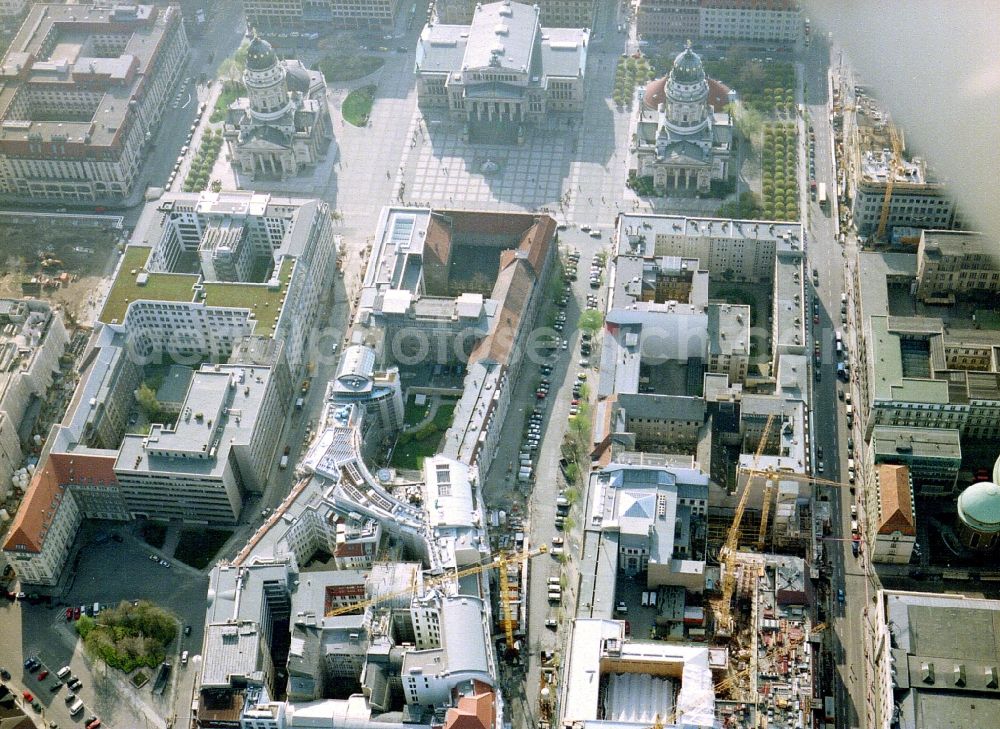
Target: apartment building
891, 512
354, 14
554, 13
42, 533
84, 90
751, 21
32, 338
669, 18
956, 265
748, 21
743, 250
234, 236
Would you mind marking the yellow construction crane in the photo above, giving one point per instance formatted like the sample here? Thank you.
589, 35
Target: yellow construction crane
500, 562
894, 164
765, 512
771, 474
726, 554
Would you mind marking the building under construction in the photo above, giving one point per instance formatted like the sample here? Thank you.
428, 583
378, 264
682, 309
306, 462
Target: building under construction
774, 646
878, 161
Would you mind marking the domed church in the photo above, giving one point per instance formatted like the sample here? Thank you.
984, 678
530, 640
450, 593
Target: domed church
679, 140
283, 124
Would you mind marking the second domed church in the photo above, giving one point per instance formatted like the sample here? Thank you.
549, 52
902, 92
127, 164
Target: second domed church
679, 139
282, 126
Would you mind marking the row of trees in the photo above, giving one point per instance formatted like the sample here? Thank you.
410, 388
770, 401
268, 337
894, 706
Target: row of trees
629, 73
779, 180
203, 162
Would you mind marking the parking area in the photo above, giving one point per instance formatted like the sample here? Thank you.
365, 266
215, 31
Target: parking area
107, 571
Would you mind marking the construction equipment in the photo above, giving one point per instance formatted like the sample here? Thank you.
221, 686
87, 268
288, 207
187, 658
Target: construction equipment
499, 562
723, 618
894, 165
770, 473
765, 512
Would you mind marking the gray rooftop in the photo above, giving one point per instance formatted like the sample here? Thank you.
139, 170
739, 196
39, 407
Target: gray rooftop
896, 441
502, 35
956, 243
636, 233
220, 411
232, 650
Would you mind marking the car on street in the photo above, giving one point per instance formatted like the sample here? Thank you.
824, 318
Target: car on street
27, 696
551, 624
69, 614
42, 675
4, 674
841, 598
187, 630
76, 613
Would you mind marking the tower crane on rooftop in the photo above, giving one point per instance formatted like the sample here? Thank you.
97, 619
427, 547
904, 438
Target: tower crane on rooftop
500, 562
723, 617
893, 167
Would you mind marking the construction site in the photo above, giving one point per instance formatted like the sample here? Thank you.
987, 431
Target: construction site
887, 193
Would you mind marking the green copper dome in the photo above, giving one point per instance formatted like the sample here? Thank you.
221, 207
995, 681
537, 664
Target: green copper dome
979, 507
260, 55
687, 67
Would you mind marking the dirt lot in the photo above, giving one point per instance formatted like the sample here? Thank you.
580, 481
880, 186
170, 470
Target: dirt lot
82, 250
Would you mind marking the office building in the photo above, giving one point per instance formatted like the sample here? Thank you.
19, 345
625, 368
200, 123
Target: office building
554, 13
681, 142
84, 90
930, 661
913, 370
955, 265
502, 71
282, 127
222, 446
751, 21
32, 339
300, 14
262, 264
11, 12
933, 455
754, 22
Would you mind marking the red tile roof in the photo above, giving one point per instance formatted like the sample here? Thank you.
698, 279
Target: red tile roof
473, 712
38, 509
896, 506
47, 489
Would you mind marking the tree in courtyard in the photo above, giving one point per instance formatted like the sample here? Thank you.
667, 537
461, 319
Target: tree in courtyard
591, 320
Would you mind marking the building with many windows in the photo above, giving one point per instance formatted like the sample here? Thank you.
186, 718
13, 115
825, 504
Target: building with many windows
355, 14
930, 661
750, 21
283, 124
555, 13
84, 88
891, 513
956, 265
501, 71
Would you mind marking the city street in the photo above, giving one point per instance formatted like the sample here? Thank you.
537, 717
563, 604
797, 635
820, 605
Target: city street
829, 425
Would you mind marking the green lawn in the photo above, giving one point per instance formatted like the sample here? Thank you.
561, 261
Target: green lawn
410, 455
358, 105
340, 68
229, 94
198, 547
414, 413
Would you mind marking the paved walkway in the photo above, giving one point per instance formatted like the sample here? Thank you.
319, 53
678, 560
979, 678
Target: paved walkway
434, 403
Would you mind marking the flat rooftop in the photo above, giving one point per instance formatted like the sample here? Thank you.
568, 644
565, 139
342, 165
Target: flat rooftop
892, 440
636, 233
134, 283
60, 46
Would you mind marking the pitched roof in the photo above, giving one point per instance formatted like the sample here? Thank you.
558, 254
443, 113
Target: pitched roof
895, 505
86, 469
45, 493
536, 241
513, 288
472, 712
